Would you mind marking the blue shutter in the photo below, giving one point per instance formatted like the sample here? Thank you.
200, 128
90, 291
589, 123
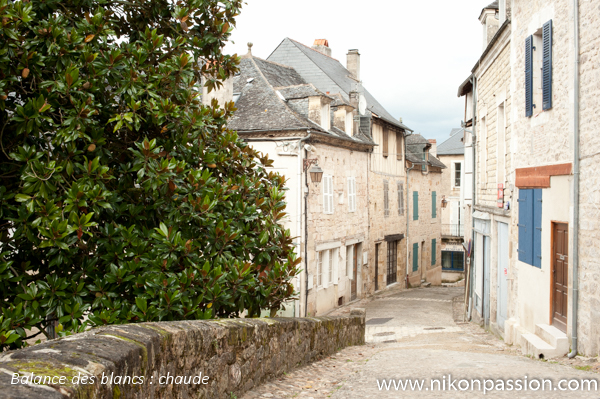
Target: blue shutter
415, 205
415, 257
433, 252
537, 228
547, 65
529, 76
525, 225
433, 204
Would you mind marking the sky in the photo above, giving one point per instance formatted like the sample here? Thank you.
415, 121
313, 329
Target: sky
414, 54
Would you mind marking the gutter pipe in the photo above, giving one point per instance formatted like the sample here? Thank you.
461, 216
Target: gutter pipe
474, 196
299, 221
407, 208
575, 302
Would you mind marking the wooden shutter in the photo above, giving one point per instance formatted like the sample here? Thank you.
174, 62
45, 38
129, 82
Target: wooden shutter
547, 66
415, 205
319, 268
325, 194
384, 147
330, 194
386, 198
415, 257
400, 198
433, 204
525, 202
529, 76
399, 146
537, 228
433, 252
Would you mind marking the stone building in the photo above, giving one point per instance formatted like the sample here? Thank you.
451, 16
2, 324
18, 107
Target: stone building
423, 242
489, 136
300, 128
452, 154
544, 70
385, 262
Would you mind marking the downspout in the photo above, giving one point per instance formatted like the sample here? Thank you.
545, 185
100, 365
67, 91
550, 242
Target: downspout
407, 209
575, 302
474, 195
299, 222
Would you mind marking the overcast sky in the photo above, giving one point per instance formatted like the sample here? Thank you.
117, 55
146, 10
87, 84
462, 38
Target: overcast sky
414, 54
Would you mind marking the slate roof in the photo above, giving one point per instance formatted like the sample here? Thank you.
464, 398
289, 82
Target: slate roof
454, 145
415, 144
260, 108
327, 74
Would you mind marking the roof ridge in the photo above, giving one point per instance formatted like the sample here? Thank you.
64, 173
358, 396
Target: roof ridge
273, 62
310, 48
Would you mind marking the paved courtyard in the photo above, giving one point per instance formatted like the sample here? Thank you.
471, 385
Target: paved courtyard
420, 334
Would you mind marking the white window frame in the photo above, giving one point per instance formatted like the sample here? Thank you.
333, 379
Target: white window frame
325, 117
454, 173
386, 198
400, 186
349, 261
352, 194
349, 124
320, 268
328, 194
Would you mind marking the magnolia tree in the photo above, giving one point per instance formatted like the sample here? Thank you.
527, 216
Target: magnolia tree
123, 198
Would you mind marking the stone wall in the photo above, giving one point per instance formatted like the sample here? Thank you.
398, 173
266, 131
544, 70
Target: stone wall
235, 355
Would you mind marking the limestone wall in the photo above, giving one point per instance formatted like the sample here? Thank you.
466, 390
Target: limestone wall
235, 355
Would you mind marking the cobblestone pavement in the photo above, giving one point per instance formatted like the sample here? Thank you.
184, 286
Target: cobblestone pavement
420, 334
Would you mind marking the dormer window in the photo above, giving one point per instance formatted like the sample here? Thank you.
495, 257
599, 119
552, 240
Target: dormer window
325, 117
349, 123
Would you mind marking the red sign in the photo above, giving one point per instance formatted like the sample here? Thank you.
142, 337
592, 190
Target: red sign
501, 195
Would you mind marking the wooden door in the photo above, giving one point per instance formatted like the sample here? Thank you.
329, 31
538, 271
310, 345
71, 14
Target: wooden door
376, 267
560, 275
354, 273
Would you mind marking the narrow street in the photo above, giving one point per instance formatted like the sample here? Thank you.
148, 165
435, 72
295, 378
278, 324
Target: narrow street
419, 334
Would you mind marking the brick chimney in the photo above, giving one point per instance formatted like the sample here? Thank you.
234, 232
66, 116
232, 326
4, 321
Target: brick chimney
353, 63
322, 46
433, 149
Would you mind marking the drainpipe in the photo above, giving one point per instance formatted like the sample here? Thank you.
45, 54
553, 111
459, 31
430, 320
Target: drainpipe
474, 195
575, 302
299, 221
407, 210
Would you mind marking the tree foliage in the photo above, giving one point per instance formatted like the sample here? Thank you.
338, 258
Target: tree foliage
122, 197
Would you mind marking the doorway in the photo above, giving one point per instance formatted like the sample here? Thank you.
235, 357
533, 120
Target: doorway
377, 267
353, 284
560, 275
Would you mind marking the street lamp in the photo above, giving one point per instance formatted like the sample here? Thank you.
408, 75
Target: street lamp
316, 173
444, 202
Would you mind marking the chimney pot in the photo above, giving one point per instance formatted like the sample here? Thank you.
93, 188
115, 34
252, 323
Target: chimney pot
322, 46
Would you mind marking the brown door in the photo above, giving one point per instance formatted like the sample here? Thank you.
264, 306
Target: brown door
560, 276
354, 273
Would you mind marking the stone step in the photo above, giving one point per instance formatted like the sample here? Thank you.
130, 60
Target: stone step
553, 336
533, 345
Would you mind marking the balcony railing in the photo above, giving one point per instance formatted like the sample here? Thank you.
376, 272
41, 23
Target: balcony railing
453, 230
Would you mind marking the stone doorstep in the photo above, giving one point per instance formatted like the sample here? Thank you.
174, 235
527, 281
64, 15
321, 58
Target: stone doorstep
553, 336
547, 340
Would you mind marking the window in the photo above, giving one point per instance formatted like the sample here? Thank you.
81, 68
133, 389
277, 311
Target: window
424, 165
483, 149
457, 173
384, 146
501, 126
392, 262
351, 194
386, 199
327, 194
415, 205
538, 69
400, 198
350, 261
433, 204
399, 146
325, 117
530, 227
453, 261
349, 123
327, 265
330, 268
415, 257
320, 256
433, 252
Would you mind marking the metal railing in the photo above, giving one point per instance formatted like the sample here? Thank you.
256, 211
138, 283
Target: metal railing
453, 230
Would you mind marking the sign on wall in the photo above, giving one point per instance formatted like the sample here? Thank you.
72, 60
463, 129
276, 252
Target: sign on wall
501, 195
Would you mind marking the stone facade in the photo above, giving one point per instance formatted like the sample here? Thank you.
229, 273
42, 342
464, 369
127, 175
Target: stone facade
231, 356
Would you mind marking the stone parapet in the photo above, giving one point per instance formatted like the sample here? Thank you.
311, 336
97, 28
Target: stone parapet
207, 359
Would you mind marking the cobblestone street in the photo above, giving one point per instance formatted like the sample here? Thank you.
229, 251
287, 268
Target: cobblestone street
420, 334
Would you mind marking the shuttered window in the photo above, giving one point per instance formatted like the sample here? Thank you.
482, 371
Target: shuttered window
351, 194
529, 76
415, 257
400, 198
415, 205
433, 204
433, 252
327, 194
320, 256
384, 147
547, 65
530, 227
386, 198
399, 146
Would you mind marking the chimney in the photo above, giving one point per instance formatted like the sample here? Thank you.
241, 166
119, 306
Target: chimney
353, 63
322, 46
433, 149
